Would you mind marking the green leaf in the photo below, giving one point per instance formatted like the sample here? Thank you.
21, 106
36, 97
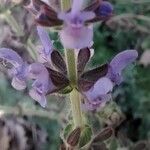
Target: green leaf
86, 136
67, 130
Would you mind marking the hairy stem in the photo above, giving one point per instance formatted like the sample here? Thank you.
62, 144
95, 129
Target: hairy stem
71, 66
76, 108
75, 99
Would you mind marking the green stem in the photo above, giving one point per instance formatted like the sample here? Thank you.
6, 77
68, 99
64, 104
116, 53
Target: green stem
76, 108
71, 66
65, 5
74, 95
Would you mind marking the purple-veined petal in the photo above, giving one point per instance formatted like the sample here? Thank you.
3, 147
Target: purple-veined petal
119, 63
76, 38
45, 40
102, 87
11, 57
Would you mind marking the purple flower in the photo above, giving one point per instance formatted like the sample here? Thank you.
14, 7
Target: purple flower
100, 91
18, 70
75, 34
47, 46
21, 72
77, 30
42, 84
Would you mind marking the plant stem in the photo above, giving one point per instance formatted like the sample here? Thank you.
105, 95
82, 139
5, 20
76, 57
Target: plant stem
76, 108
71, 66
74, 95
73, 77
65, 5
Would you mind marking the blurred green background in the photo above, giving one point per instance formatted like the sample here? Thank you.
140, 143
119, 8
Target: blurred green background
129, 28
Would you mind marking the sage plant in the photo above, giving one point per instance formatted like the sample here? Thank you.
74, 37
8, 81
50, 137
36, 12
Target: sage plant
88, 90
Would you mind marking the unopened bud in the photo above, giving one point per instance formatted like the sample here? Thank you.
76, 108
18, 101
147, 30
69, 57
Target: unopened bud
105, 9
74, 136
103, 135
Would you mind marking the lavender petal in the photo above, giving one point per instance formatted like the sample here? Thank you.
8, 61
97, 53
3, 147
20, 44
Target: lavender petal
102, 87
45, 40
88, 105
41, 99
42, 84
76, 38
119, 63
18, 84
11, 57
